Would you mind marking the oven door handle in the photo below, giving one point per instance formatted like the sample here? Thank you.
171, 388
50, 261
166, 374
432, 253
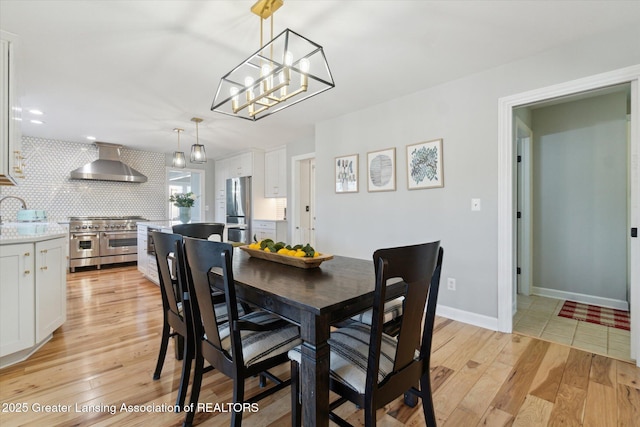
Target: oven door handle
75, 236
118, 233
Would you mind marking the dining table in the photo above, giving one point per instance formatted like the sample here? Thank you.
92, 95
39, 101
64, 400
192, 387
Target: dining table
313, 298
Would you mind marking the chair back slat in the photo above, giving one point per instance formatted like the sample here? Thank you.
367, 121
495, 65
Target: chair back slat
199, 230
415, 265
165, 244
201, 256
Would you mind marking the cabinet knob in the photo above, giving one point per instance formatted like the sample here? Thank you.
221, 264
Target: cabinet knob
44, 251
27, 272
27, 254
43, 268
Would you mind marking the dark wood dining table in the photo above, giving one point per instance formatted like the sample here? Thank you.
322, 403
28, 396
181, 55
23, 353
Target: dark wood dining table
314, 299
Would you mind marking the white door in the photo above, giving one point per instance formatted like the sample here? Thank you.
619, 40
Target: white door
523, 136
303, 200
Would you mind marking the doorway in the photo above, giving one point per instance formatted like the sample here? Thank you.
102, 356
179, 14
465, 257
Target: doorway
573, 219
185, 181
507, 194
303, 215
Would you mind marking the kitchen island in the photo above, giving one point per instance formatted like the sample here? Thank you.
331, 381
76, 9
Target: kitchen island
146, 257
33, 287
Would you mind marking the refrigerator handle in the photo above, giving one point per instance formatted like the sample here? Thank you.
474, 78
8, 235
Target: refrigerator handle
235, 196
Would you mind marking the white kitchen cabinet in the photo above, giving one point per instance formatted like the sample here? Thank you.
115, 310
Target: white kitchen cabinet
33, 295
51, 286
240, 165
222, 173
274, 230
142, 249
275, 173
17, 293
11, 158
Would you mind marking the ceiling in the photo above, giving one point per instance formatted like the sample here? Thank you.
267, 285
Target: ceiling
129, 72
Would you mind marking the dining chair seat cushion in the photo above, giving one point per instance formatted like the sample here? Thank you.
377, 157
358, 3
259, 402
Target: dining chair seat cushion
260, 345
349, 354
392, 310
221, 311
222, 316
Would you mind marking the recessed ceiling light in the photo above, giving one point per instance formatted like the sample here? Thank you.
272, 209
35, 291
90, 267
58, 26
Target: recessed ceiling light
37, 122
36, 112
91, 138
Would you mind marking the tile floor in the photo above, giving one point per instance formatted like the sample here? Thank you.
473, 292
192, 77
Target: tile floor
538, 316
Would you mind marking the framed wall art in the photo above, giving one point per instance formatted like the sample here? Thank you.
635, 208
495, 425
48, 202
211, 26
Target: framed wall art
424, 165
381, 170
347, 174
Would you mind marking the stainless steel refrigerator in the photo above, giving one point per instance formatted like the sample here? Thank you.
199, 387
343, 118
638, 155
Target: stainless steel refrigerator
239, 209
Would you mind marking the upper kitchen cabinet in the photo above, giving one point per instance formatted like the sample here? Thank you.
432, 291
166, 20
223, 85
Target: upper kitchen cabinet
275, 173
240, 165
11, 159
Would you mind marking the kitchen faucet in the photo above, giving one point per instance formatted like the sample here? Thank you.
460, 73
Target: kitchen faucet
24, 205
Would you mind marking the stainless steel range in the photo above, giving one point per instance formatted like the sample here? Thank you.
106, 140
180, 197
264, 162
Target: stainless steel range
102, 240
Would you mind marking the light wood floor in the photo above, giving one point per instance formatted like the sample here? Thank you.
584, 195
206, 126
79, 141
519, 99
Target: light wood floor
105, 354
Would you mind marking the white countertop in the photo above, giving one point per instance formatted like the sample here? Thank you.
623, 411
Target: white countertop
167, 223
28, 232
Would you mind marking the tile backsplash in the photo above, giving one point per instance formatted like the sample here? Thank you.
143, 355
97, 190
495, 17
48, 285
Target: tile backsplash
47, 184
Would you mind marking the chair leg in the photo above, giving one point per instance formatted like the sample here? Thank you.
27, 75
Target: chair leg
164, 343
187, 356
178, 341
296, 407
238, 397
369, 414
262, 381
427, 401
195, 390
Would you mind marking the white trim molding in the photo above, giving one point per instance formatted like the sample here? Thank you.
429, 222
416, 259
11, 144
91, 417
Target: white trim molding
582, 298
507, 187
468, 317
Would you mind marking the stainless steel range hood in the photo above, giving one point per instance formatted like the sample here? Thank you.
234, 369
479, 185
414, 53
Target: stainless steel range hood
108, 167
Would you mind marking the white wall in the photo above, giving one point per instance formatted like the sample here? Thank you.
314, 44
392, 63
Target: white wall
464, 114
580, 197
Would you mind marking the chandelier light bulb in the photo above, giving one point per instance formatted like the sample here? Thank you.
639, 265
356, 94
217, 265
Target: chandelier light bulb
304, 65
234, 101
288, 59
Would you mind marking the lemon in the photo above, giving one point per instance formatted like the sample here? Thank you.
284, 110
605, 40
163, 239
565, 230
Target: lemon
283, 251
316, 255
267, 250
300, 254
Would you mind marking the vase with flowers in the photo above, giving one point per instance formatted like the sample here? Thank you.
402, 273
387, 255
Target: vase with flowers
184, 202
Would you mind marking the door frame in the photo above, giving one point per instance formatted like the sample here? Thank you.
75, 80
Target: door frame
507, 186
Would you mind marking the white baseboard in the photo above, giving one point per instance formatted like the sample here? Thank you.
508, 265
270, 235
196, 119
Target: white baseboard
583, 298
475, 319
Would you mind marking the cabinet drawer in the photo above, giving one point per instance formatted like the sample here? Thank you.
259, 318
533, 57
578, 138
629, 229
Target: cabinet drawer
265, 225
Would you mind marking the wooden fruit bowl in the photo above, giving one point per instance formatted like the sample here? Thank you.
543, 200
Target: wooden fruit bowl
300, 262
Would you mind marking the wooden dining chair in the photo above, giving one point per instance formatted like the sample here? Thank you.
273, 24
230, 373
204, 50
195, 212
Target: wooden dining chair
371, 368
200, 230
247, 345
177, 320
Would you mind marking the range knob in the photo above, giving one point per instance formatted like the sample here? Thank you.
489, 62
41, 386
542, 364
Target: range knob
77, 227
84, 227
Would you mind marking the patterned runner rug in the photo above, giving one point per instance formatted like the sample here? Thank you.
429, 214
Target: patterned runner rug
594, 314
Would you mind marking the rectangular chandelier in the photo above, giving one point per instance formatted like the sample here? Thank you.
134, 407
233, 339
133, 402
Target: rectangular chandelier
288, 69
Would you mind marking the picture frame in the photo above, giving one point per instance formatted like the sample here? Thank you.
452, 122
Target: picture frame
425, 165
346, 174
381, 170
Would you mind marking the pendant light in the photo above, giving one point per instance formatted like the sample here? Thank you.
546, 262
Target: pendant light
178, 156
198, 154
284, 71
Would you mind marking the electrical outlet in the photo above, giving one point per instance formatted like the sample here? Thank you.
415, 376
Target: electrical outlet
476, 205
451, 284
